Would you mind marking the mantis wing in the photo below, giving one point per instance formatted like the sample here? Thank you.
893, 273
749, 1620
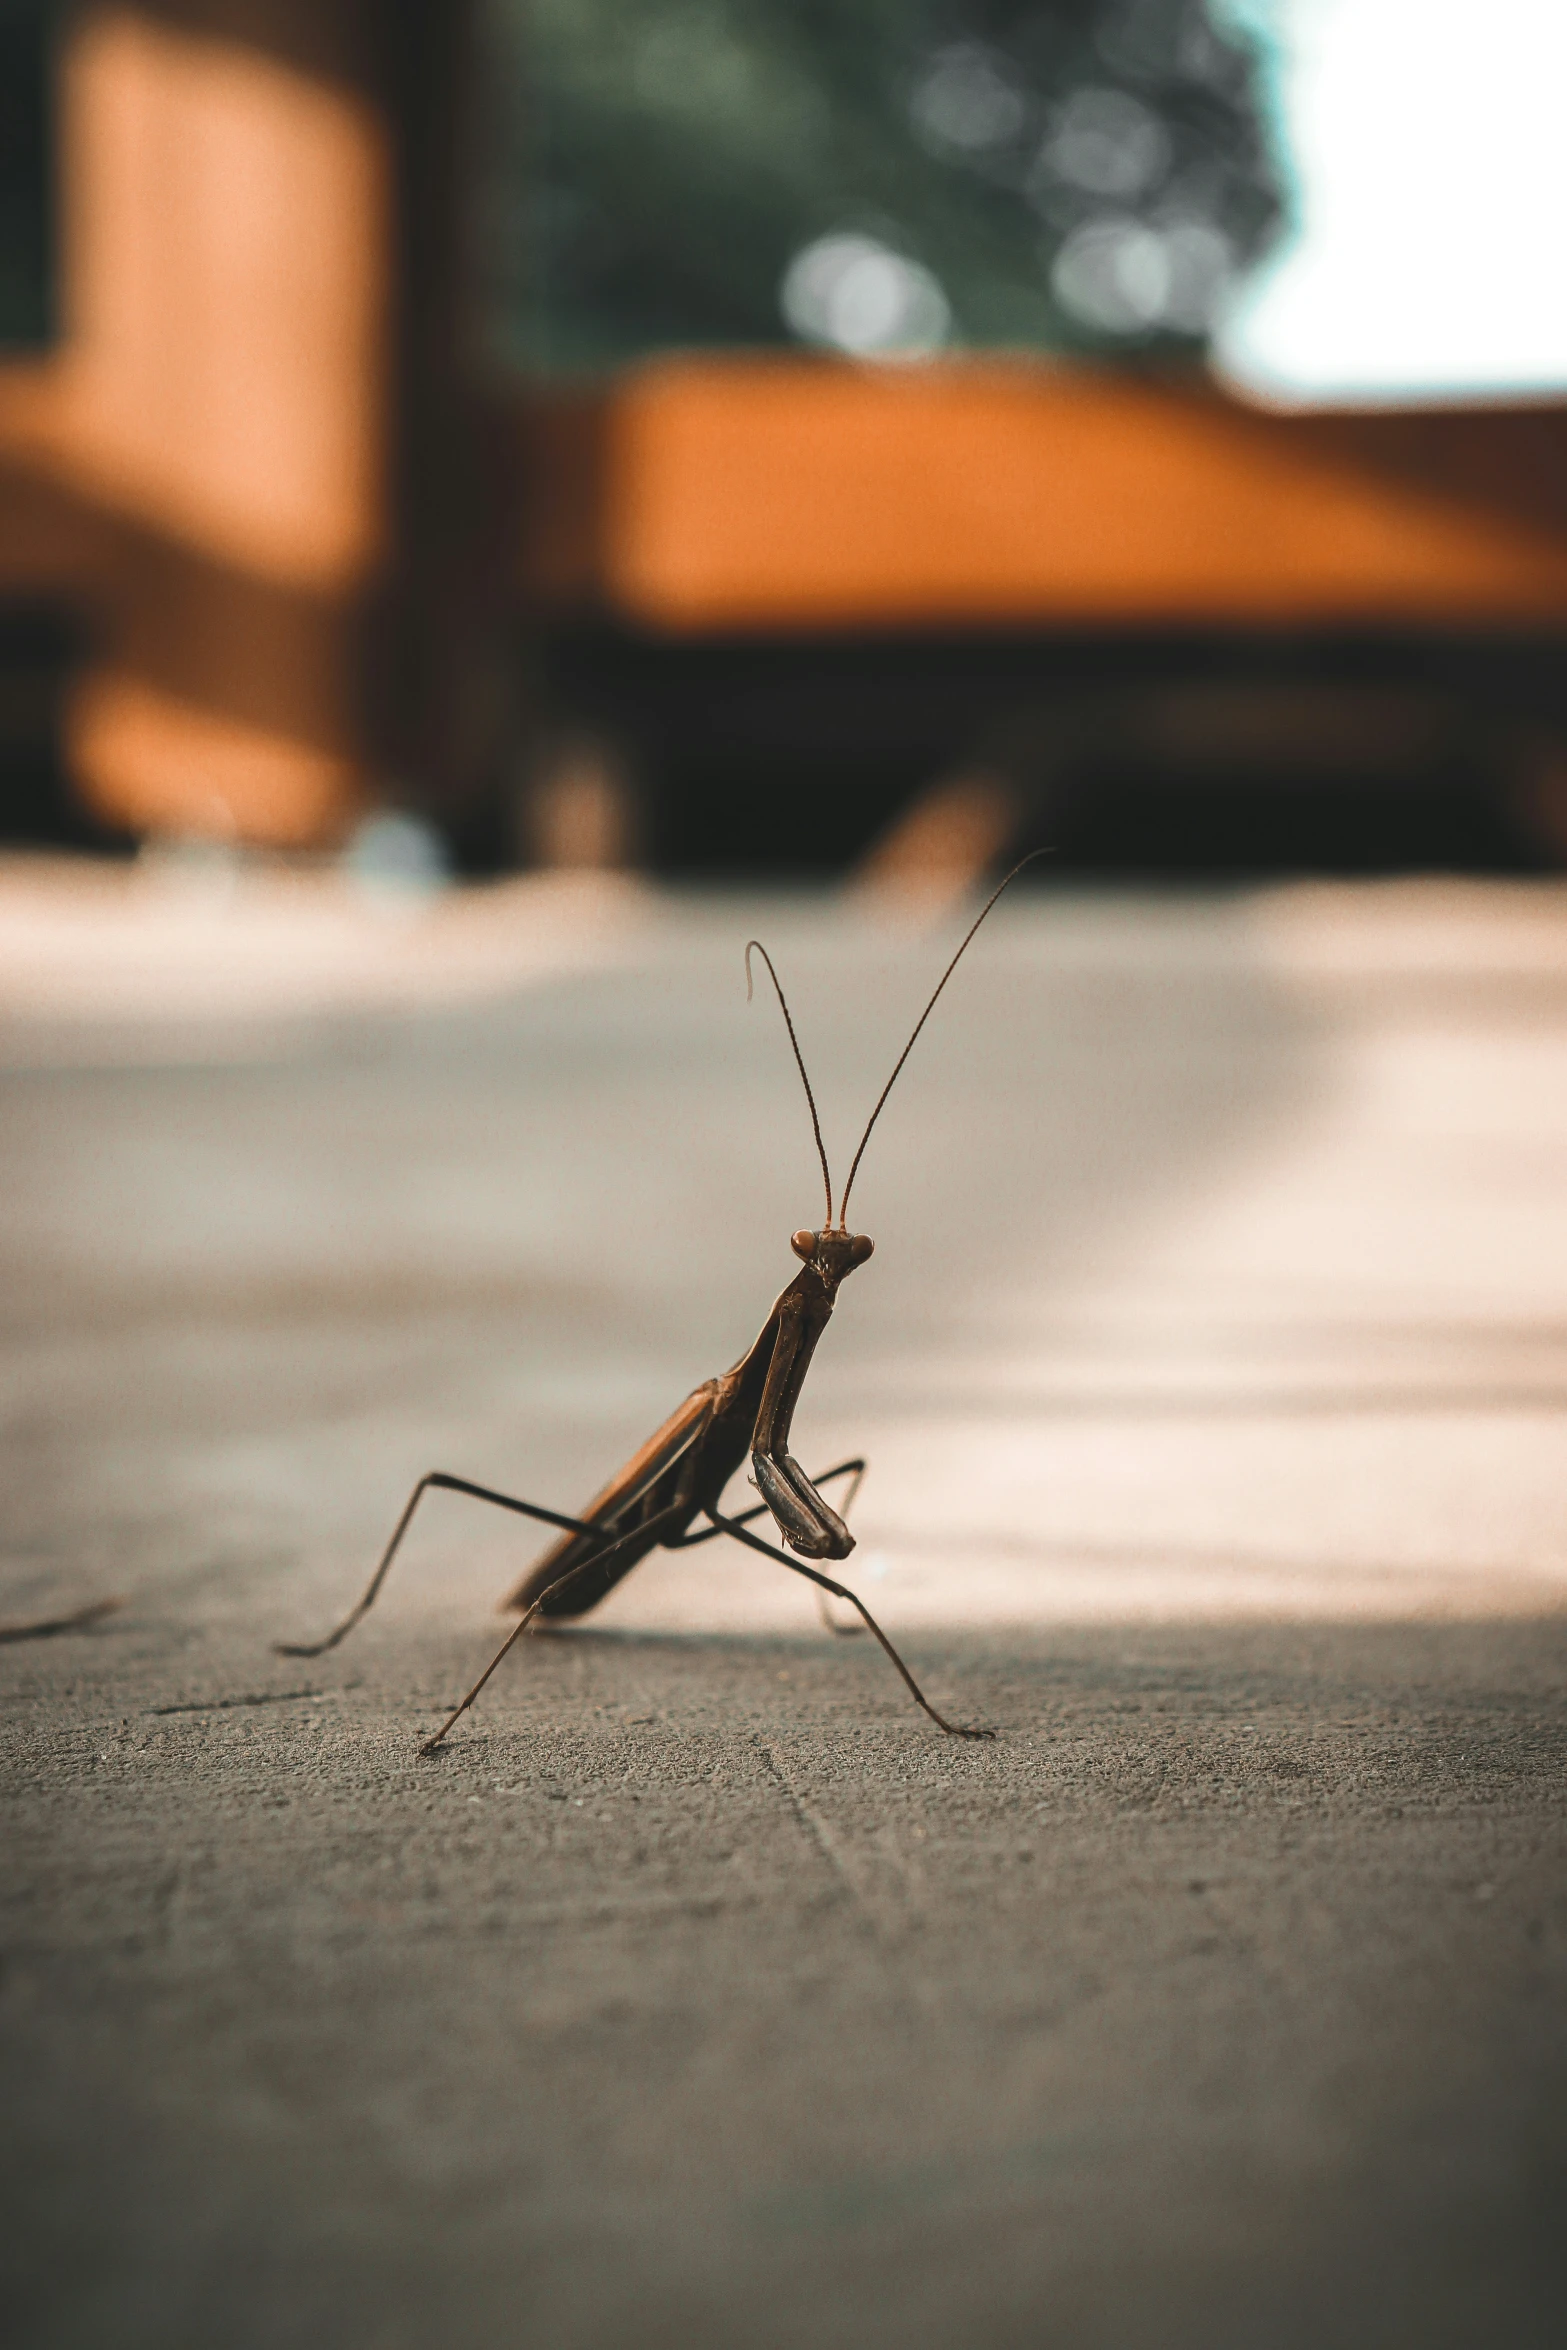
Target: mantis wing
629, 1509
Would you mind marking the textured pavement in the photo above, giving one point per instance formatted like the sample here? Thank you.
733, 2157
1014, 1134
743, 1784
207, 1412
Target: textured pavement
1212, 1367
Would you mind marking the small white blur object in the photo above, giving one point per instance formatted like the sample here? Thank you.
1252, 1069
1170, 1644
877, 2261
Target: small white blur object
396, 859
1107, 143
968, 102
850, 292
1126, 277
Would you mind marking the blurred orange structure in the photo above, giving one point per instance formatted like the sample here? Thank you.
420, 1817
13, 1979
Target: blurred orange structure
215, 463
760, 494
301, 532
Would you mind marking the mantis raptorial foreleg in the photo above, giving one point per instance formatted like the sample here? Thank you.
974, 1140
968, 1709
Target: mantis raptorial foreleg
854, 1469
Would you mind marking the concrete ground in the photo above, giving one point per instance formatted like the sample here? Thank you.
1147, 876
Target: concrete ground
1212, 1366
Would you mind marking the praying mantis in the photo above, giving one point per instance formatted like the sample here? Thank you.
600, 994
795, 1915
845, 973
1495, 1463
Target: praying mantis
680, 1474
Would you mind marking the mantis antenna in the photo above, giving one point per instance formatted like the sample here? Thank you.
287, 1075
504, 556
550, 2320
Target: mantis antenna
799, 1057
843, 1205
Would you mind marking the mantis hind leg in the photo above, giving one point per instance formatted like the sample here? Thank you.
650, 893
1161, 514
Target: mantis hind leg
45, 1627
445, 1484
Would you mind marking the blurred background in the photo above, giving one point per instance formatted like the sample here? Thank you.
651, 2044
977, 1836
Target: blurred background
744, 438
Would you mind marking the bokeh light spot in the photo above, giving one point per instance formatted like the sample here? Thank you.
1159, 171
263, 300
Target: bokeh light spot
852, 293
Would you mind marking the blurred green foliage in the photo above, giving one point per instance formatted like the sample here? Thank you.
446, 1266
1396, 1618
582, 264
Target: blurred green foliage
1077, 177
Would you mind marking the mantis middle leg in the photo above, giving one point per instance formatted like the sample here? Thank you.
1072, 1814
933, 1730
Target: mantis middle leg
841, 1591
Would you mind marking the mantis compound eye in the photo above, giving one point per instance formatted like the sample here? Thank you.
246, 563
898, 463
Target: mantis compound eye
861, 1249
803, 1244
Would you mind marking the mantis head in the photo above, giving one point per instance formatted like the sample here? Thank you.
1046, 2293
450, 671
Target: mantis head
831, 1254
